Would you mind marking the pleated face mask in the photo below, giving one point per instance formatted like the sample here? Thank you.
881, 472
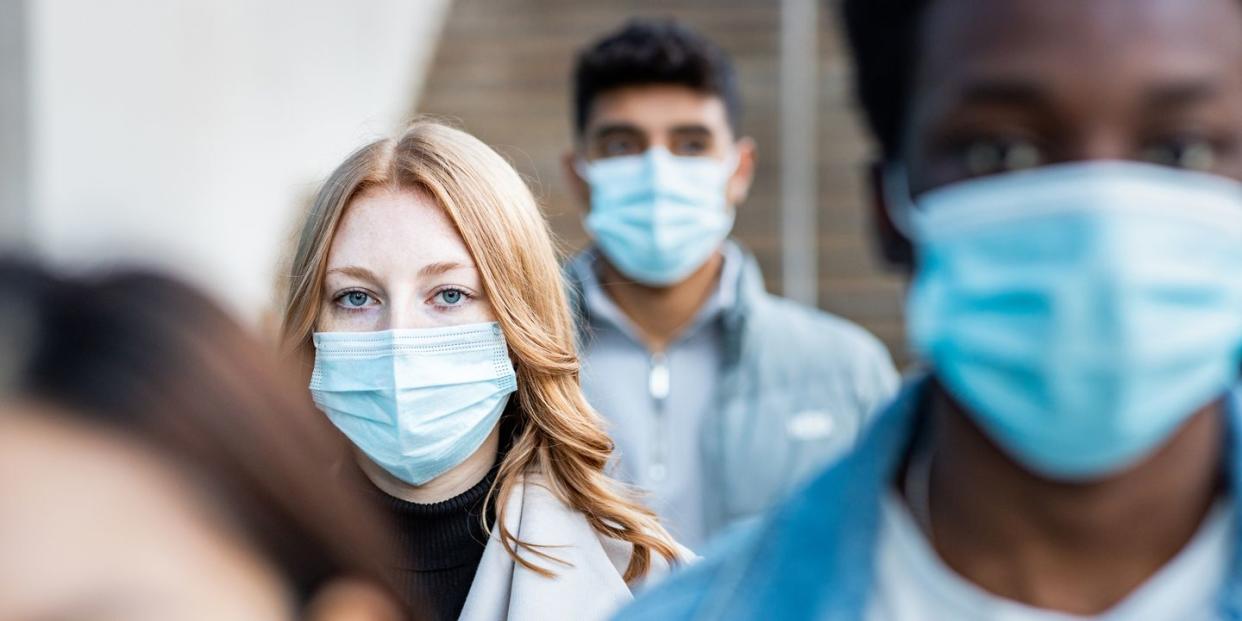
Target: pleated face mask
1083, 312
416, 402
658, 217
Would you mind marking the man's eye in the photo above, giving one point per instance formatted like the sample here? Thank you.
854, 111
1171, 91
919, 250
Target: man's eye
989, 157
690, 147
1193, 154
615, 147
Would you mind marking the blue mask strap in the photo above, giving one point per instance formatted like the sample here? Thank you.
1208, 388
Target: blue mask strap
897, 200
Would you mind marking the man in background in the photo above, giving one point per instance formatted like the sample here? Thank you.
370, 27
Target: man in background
720, 396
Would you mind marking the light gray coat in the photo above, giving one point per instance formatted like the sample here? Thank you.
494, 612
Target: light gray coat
797, 389
589, 582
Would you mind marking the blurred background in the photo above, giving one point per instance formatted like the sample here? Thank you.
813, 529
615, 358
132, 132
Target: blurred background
190, 134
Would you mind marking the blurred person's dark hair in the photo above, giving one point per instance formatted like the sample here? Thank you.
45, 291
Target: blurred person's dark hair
149, 358
654, 52
883, 36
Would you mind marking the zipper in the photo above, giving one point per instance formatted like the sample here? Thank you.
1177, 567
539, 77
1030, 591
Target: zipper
658, 383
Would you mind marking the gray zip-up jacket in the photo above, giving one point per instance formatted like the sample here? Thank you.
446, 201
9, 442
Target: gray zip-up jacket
798, 386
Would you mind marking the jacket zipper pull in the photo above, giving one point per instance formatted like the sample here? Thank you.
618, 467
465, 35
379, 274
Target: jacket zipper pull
658, 384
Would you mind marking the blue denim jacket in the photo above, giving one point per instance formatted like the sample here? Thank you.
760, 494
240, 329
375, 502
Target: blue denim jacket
813, 557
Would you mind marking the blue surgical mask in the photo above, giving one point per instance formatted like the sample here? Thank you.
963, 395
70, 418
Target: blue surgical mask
416, 402
1081, 313
658, 217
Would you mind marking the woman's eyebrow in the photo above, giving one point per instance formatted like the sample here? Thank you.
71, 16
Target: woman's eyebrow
354, 271
436, 269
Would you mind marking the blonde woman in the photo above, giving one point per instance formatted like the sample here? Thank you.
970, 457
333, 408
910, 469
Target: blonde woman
427, 302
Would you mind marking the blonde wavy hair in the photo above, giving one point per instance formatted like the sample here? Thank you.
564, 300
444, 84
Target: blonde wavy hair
558, 434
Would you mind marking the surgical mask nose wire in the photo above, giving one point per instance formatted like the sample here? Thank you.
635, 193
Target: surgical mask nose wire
582, 166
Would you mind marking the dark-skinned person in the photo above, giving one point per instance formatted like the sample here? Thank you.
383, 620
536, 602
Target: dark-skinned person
721, 397
1066, 174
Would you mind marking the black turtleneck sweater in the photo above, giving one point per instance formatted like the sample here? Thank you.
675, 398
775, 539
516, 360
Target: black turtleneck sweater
441, 545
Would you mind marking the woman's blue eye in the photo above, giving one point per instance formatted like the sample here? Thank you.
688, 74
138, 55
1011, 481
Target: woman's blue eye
355, 299
451, 297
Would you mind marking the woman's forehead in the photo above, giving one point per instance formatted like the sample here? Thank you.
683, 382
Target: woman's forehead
396, 231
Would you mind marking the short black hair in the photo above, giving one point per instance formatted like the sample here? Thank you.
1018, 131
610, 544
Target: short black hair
649, 52
882, 36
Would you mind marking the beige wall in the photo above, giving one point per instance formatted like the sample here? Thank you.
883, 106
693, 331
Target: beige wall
188, 133
503, 74
14, 144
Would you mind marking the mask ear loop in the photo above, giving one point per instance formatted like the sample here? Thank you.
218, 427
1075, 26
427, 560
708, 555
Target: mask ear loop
904, 214
730, 166
582, 167
898, 202
734, 160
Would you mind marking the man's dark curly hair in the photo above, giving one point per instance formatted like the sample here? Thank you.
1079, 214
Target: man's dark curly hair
649, 52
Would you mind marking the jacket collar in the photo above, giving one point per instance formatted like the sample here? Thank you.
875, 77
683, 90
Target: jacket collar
815, 555
588, 567
741, 297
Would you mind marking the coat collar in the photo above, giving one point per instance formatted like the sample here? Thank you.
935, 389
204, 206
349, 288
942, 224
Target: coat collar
814, 559
742, 286
742, 297
589, 568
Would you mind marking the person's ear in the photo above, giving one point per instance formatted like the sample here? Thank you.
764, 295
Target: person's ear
895, 247
577, 185
345, 599
739, 184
